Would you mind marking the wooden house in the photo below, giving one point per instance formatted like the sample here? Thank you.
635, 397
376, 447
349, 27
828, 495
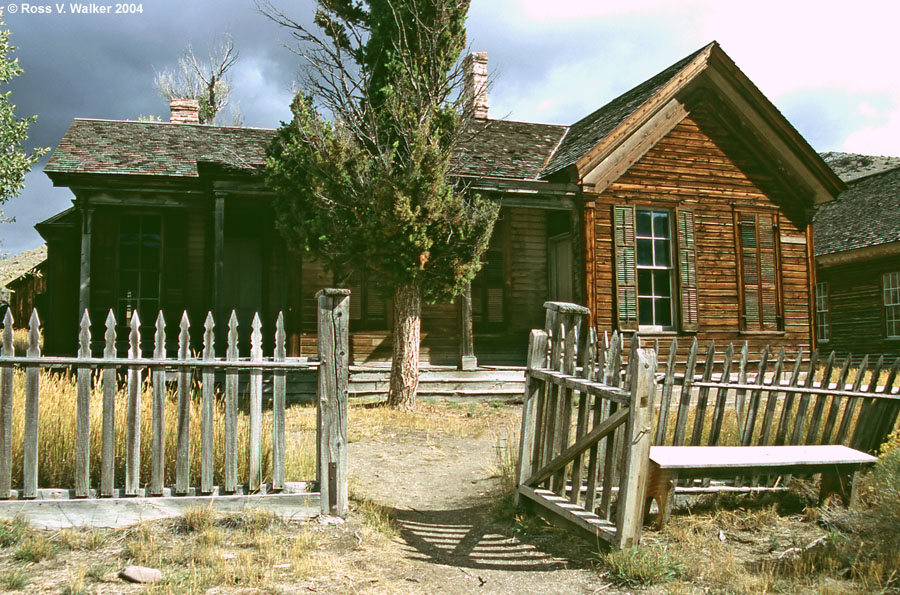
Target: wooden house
858, 259
22, 284
681, 207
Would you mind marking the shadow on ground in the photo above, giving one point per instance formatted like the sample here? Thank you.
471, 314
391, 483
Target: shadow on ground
463, 538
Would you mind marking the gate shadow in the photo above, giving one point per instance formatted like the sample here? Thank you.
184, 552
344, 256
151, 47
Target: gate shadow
463, 538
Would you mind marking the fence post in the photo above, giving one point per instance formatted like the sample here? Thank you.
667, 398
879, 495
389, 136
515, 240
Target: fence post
332, 391
6, 403
32, 407
537, 358
633, 485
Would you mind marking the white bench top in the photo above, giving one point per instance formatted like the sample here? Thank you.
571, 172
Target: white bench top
697, 457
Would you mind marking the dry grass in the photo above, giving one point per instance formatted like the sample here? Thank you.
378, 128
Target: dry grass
56, 434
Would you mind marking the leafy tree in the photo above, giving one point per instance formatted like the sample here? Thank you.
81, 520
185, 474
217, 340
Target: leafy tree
15, 161
362, 173
208, 82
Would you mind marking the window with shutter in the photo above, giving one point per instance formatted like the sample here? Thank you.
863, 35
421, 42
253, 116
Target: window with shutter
626, 272
368, 309
687, 272
759, 267
140, 255
489, 292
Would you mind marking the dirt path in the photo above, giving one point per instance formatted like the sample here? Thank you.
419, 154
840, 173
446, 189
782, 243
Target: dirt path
438, 487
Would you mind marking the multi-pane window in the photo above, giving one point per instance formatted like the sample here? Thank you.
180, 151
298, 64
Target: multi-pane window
891, 287
140, 253
368, 309
758, 259
653, 237
823, 312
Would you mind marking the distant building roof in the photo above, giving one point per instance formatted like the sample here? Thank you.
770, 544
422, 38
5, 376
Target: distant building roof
866, 214
852, 166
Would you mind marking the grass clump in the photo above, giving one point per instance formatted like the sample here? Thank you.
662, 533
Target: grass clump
11, 532
14, 580
642, 566
34, 548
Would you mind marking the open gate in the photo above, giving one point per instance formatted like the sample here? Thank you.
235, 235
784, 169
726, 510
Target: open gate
586, 431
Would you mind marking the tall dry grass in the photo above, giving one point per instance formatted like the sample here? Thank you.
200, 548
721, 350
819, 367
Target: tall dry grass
56, 435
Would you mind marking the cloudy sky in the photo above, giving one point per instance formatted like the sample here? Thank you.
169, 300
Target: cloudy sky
830, 67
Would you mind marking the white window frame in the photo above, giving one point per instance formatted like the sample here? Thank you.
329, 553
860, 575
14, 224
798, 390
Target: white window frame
823, 312
890, 285
669, 267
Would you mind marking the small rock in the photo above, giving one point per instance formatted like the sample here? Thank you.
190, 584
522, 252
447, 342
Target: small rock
140, 574
329, 520
228, 556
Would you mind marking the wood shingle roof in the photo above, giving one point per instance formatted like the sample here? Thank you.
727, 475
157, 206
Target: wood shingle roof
866, 214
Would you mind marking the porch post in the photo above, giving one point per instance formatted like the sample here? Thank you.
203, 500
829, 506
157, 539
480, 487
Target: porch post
219, 259
467, 359
84, 284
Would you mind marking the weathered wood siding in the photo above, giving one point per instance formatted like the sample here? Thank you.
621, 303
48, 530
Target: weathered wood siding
701, 167
857, 307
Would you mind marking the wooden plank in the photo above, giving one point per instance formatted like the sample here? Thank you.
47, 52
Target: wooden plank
788, 405
585, 363
537, 354
32, 394
333, 345
755, 396
83, 413
754, 457
611, 447
231, 389
599, 432
551, 409
108, 434
598, 389
158, 423
852, 402
183, 433
819, 408
835, 406
666, 397
594, 454
703, 396
278, 403
133, 412
207, 404
800, 418
721, 398
590, 523
741, 394
772, 400
684, 405
633, 487
255, 405
564, 419
6, 407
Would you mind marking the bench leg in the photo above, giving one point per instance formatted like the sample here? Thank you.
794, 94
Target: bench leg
660, 487
841, 482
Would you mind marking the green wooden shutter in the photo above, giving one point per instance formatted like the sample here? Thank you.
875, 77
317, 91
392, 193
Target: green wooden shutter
687, 272
626, 268
770, 311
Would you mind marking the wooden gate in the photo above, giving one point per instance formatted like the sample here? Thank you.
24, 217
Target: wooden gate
586, 431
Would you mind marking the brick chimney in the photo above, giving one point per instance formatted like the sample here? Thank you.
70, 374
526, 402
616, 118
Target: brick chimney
184, 111
475, 84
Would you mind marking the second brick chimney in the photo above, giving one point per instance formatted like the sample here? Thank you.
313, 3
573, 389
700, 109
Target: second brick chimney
475, 84
184, 111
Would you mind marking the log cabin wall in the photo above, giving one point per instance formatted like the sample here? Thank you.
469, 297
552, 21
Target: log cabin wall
856, 313
700, 167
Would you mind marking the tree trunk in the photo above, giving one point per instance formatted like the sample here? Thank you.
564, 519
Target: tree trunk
405, 358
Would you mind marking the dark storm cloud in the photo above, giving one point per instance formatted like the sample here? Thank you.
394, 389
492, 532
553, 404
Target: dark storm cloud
102, 66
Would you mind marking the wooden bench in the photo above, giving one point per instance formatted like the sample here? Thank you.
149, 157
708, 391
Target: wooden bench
837, 464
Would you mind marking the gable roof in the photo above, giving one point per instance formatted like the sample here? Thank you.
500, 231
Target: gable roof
866, 214
590, 130
506, 149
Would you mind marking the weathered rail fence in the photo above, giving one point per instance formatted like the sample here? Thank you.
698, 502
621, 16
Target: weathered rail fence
585, 437
721, 398
332, 389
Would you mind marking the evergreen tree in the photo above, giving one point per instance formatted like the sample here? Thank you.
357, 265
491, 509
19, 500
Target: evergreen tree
362, 173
